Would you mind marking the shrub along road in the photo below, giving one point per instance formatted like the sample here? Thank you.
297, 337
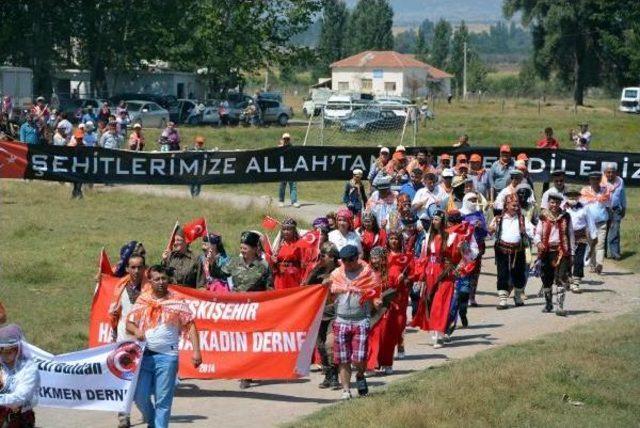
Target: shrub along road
202, 403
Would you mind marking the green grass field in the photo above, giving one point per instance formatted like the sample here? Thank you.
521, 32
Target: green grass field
50, 243
521, 385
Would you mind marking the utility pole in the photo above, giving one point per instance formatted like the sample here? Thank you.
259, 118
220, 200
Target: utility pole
464, 74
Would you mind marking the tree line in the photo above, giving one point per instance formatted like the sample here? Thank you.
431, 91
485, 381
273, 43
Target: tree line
581, 44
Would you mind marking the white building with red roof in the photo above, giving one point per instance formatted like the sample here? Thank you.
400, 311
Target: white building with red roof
388, 73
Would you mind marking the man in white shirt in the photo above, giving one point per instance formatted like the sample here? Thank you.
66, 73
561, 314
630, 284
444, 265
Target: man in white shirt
513, 233
557, 178
428, 195
584, 231
382, 203
556, 247
516, 178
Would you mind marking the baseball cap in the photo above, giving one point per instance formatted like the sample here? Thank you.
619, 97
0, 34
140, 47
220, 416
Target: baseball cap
286, 135
137, 126
400, 148
199, 139
505, 148
357, 171
384, 150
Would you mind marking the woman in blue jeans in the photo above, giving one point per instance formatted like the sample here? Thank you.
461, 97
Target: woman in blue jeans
158, 318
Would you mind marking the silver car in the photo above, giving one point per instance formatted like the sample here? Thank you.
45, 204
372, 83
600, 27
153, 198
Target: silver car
147, 114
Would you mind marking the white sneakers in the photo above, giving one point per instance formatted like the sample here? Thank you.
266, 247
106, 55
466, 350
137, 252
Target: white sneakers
346, 395
503, 296
295, 205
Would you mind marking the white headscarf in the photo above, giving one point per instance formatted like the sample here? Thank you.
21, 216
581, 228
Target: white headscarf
469, 207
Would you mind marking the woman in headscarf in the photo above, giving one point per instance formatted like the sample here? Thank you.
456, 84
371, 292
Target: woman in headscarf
288, 257
435, 300
344, 234
210, 262
472, 213
399, 274
378, 262
370, 234
463, 252
318, 274
19, 380
133, 248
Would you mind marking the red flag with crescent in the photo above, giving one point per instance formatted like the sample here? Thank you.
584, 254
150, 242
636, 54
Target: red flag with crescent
269, 223
194, 229
13, 159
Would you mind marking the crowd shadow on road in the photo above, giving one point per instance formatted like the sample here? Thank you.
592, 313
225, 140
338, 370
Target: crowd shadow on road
187, 419
598, 290
581, 312
193, 391
412, 357
481, 326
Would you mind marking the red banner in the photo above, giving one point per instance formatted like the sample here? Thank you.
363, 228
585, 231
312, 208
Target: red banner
261, 335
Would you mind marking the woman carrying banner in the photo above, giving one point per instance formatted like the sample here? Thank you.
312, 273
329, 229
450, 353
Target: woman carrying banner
319, 273
248, 272
370, 234
19, 380
211, 261
288, 257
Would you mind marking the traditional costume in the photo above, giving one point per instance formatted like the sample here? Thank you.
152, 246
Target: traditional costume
472, 215
513, 233
555, 240
287, 269
373, 237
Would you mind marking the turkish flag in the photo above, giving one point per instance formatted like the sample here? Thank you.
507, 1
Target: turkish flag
13, 159
105, 264
194, 229
269, 223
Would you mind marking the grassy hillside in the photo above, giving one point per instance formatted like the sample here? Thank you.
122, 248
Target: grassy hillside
588, 376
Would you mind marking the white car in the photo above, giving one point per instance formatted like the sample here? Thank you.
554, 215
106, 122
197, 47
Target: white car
209, 115
338, 108
147, 113
630, 100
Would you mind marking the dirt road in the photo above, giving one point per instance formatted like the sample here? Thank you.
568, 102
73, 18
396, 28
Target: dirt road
222, 403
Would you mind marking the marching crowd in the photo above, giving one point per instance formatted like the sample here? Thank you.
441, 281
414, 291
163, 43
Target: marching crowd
407, 251
412, 243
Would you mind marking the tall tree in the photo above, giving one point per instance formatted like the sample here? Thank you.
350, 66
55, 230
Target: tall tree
370, 26
441, 43
333, 35
567, 38
228, 38
33, 34
405, 41
456, 63
422, 48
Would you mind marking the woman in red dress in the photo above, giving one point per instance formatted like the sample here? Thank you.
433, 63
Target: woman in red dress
399, 265
370, 234
378, 262
438, 275
287, 259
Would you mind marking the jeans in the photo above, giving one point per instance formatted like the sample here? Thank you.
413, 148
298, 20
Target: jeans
613, 234
195, 189
158, 378
293, 190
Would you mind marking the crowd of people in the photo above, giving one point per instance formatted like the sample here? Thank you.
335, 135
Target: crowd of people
406, 250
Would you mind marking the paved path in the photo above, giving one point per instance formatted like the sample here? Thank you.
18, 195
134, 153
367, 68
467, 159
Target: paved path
222, 403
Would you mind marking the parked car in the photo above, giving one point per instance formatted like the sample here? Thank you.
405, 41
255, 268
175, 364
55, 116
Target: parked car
372, 120
185, 107
168, 102
147, 113
75, 107
272, 112
338, 108
209, 116
318, 99
630, 100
